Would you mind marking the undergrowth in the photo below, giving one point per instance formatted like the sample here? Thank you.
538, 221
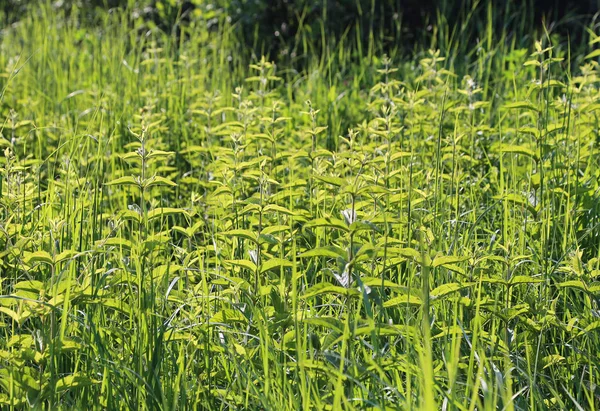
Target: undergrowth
181, 230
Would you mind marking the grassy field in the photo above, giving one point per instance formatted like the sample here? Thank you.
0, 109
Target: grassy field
180, 229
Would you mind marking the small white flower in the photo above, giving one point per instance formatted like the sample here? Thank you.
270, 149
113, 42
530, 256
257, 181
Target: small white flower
253, 256
135, 207
344, 278
367, 289
533, 199
349, 216
471, 83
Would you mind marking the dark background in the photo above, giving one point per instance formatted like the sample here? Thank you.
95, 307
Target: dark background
277, 27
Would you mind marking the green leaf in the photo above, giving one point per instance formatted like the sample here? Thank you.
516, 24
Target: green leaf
275, 263
358, 226
411, 254
592, 327
329, 251
160, 153
330, 323
404, 299
276, 229
377, 282
38, 257
327, 222
580, 285
552, 83
164, 269
400, 154
450, 259
455, 268
228, 316
552, 359
327, 288
521, 105
131, 156
30, 285
123, 181
65, 255
488, 280
518, 199
445, 289
593, 54
115, 242
12, 314
529, 130
265, 290
278, 209
267, 239
245, 234
159, 181
524, 279
166, 211
117, 304
372, 189
385, 329
594, 289
243, 263
222, 190
515, 149
74, 381
335, 181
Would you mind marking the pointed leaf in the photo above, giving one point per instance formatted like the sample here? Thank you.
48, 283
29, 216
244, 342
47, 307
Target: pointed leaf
326, 288
335, 181
275, 263
329, 251
74, 381
123, 181
449, 288
39, 257
521, 105
159, 181
166, 211
515, 149
404, 299
245, 234
327, 222
449, 259
243, 263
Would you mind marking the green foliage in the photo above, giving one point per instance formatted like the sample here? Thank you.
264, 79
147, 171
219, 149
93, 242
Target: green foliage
181, 230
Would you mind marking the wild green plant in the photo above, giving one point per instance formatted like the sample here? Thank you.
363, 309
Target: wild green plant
182, 230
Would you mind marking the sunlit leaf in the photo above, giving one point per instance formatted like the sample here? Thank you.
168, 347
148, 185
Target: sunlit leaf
403, 299
166, 211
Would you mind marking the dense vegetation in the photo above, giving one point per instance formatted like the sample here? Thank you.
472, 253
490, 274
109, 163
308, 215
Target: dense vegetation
290, 31
180, 229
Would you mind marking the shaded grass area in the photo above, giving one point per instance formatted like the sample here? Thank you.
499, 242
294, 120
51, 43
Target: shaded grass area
182, 230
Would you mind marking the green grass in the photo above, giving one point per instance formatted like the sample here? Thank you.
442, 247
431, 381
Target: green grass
182, 230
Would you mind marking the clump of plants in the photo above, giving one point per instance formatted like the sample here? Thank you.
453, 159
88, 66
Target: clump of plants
182, 230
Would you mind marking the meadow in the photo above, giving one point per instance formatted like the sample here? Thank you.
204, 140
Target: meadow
181, 228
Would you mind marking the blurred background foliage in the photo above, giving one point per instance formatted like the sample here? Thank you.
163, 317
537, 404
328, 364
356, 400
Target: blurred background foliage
286, 30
